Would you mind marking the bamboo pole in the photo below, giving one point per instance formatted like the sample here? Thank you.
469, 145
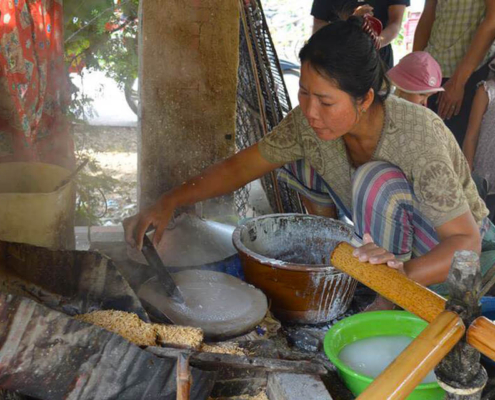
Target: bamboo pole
408, 294
389, 283
420, 357
481, 335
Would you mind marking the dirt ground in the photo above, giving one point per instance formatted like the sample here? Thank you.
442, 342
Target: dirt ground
115, 151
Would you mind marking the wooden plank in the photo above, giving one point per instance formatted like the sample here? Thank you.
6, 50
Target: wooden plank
217, 361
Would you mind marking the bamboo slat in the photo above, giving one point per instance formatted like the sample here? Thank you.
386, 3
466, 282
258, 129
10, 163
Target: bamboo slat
421, 356
390, 283
481, 335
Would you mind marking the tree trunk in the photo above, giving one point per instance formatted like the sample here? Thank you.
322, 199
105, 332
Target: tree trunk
460, 373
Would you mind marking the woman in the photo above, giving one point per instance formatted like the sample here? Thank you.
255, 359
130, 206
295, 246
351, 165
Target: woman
33, 84
389, 165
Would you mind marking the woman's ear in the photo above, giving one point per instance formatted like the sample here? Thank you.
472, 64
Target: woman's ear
368, 99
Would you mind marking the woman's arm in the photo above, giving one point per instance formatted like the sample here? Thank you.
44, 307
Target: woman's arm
217, 180
318, 24
461, 233
478, 109
395, 16
425, 24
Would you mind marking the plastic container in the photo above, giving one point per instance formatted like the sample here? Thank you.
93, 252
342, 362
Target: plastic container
365, 325
31, 210
488, 311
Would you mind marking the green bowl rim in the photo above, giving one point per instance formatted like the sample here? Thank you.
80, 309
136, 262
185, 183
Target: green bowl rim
342, 367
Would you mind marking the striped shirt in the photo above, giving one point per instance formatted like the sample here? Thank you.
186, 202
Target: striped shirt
455, 24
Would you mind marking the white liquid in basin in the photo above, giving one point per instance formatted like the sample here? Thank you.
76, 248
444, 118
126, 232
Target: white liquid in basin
372, 355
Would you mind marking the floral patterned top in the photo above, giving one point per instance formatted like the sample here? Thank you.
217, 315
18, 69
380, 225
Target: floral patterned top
33, 84
413, 138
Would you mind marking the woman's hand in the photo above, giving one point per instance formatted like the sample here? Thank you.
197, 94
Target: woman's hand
363, 10
450, 101
158, 216
370, 252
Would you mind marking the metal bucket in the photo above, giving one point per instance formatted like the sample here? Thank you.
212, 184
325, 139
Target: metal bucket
287, 257
31, 211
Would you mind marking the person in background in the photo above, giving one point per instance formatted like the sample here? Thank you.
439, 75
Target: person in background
416, 77
459, 35
479, 144
389, 12
34, 86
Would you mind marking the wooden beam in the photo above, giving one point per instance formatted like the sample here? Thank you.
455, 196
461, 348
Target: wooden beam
420, 357
213, 361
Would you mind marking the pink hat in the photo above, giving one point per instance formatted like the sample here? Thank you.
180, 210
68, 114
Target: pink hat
417, 72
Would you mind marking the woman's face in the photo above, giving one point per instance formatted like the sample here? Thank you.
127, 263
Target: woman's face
330, 111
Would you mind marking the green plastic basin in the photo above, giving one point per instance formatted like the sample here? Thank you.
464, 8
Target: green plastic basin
369, 324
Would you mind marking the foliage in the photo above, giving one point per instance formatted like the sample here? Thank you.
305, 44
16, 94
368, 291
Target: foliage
92, 185
290, 24
102, 35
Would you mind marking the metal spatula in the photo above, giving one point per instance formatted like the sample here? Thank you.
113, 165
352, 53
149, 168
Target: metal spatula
163, 276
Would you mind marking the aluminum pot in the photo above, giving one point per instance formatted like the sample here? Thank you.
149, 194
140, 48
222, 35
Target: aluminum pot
287, 257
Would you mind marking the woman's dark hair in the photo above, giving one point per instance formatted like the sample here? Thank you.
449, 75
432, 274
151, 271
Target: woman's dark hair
344, 53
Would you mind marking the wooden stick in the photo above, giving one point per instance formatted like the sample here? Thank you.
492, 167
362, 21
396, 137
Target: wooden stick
72, 175
184, 378
390, 283
481, 335
420, 357
488, 281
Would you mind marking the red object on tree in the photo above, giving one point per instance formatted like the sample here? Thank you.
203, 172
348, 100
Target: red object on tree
110, 26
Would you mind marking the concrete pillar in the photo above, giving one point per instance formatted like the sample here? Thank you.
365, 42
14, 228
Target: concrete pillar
188, 78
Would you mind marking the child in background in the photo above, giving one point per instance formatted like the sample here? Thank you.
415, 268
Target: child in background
416, 77
479, 144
